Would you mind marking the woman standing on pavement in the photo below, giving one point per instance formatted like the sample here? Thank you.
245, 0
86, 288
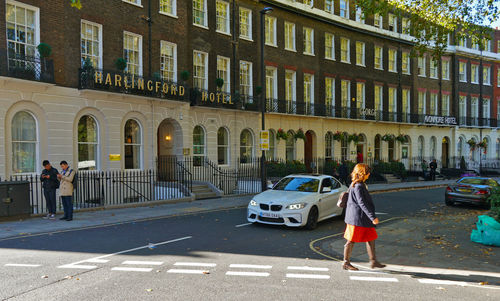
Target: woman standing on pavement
360, 218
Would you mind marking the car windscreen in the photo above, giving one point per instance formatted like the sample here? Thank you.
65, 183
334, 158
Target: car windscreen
475, 181
298, 184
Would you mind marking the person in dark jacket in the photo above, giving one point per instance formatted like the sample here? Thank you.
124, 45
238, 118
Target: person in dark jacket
343, 173
433, 166
50, 183
360, 218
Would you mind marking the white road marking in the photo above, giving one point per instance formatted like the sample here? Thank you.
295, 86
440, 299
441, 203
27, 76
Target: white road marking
143, 262
255, 274
125, 269
306, 268
442, 282
373, 279
243, 225
195, 264
250, 266
94, 260
307, 276
76, 265
183, 271
22, 265
367, 272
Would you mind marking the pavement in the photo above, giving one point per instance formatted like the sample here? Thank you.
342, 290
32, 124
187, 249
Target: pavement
89, 219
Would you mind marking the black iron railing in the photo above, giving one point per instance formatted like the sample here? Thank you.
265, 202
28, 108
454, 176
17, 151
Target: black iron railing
21, 66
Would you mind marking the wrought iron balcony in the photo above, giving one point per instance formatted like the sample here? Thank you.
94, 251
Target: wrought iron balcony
26, 67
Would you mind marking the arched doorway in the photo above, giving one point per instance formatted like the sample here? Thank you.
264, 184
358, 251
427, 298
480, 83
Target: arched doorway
169, 148
360, 149
376, 155
406, 151
445, 151
310, 151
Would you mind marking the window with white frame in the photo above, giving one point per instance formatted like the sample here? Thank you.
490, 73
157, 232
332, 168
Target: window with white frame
136, 2
200, 12
498, 148
421, 66
405, 62
199, 146
475, 45
393, 60
168, 61
222, 17
329, 142
405, 26
498, 109
474, 73
23, 32
290, 79
290, 146
360, 95
133, 144
462, 71
271, 82
421, 103
308, 2
462, 106
222, 146
360, 17
474, 107
308, 40
271, 152
168, 7
377, 20
345, 53
378, 58
445, 69
24, 135
223, 72
433, 69
344, 8
330, 46
308, 92
200, 70
270, 30
462, 42
486, 108
486, 75
405, 102
289, 36
88, 143
433, 104
246, 81
132, 52
91, 42
345, 94
379, 98
445, 105
486, 45
246, 146
329, 6
329, 94
360, 53
245, 23
393, 100
393, 23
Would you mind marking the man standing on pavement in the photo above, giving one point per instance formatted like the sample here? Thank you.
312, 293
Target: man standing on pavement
66, 177
50, 183
424, 169
343, 173
433, 166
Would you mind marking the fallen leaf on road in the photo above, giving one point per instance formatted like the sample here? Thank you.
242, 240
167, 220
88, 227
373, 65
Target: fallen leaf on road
149, 290
68, 277
440, 288
206, 272
45, 276
483, 283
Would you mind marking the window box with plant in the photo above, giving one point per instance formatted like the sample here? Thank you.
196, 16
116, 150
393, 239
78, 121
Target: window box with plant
300, 135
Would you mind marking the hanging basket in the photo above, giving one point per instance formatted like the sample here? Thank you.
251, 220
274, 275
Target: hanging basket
388, 138
300, 135
338, 136
281, 135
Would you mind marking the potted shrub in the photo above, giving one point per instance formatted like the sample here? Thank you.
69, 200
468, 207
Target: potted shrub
120, 64
219, 82
300, 135
185, 75
44, 50
281, 135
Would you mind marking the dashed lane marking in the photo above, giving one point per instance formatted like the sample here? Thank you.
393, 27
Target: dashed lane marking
250, 266
308, 276
95, 260
142, 262
195, 264
77, 266
187, 271
381, 279
442, 282
243, 225
249, 274
306, 268
22, 265
127, 269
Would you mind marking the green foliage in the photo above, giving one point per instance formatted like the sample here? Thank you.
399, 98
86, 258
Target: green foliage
76, 3
338, 136
281, 135
402, 138
185, 75
300, 135
279, 169
258, 90
394, 167
354, 137
44, 50
120, 64
87, 64
157, 76
495, 203
388, 138
219, 82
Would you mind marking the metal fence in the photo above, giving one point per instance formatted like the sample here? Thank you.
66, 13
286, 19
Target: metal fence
26, 67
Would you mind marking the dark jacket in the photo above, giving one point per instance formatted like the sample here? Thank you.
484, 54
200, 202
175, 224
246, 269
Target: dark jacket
360, 210
433, 166
52, 182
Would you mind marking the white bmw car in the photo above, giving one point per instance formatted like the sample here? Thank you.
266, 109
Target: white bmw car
300, 200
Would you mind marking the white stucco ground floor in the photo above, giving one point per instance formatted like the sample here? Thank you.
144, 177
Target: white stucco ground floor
111, 131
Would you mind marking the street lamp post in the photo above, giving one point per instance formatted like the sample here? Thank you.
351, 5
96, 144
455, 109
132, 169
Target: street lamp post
263, 12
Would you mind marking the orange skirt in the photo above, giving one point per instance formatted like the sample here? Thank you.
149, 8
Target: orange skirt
359, 234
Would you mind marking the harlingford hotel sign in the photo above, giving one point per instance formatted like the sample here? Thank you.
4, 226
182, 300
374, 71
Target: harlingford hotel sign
440, 120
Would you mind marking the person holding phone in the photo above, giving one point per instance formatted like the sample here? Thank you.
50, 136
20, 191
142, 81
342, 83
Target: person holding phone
50, 183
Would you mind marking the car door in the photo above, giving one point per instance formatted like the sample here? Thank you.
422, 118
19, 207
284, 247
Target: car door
328, 200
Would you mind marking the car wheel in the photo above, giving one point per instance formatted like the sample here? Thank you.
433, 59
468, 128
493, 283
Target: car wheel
448, 202
312, 218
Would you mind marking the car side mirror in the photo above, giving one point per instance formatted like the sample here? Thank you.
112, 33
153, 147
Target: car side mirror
326, 189
270, 185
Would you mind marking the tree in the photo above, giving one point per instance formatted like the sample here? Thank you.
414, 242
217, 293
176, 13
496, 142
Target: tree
433, 20
76, 3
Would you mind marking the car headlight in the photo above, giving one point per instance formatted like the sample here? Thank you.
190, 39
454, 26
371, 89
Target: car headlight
253, 203
296, 206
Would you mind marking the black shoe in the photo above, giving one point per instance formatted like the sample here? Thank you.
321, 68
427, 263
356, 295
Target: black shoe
63, 218
69, 219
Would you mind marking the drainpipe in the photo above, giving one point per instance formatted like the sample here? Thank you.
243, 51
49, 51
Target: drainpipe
150, 25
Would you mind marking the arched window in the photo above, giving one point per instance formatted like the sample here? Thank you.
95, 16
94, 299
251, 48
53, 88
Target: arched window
222, 146
377, 147
486, 152
498, 148
133, 145
390, 146
420, 148
198, 145
271, 153
290, 146
329, 146
246, 146
88, 143
433, 147
344, 147
460, 147
24, 143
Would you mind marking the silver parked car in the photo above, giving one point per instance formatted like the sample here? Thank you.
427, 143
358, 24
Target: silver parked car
472, 190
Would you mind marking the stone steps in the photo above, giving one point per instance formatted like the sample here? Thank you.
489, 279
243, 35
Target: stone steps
202, 191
